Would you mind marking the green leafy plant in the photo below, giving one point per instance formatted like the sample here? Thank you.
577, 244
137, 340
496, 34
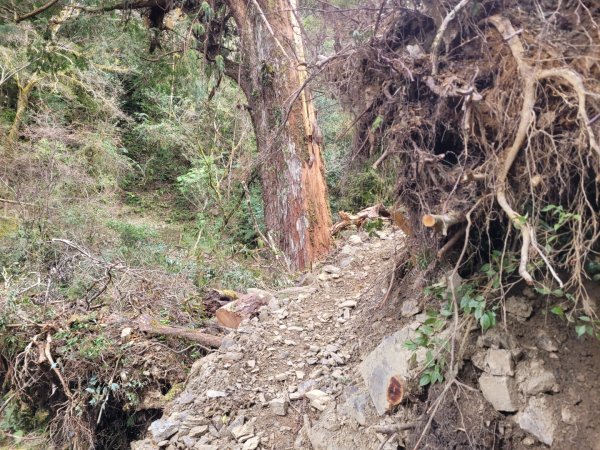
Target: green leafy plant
426, 338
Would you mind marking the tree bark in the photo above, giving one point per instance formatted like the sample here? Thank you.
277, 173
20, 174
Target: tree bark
297, 212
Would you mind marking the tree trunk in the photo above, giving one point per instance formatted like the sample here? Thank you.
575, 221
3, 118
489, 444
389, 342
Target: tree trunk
22, 103
272, 71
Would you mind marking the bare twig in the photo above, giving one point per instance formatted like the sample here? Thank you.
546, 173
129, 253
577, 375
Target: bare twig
440, 34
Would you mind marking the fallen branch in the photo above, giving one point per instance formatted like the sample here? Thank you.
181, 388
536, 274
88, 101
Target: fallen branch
393, 428
451, 243
152, 326
54, 367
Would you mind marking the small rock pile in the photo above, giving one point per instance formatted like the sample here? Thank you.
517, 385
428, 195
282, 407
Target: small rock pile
516, 380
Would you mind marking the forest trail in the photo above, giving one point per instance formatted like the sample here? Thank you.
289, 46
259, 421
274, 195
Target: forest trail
309, 338
297, 375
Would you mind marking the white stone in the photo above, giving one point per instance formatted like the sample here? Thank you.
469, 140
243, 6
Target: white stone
500, 392
215, 394
348, 304
279, 406
318, 399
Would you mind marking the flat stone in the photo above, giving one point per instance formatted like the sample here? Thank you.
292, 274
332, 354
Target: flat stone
568, 415
500, 362
233, 356
389, 359
279, 406
539, 419
357, 407
348, 304
215, 394
348, 250
242, 433
163, 429
331, 269
205, 447
298, 290
261, 293
533, 378
500, 392
318, 399
251, 443
410, 308
346, 262
520, 307
188, 441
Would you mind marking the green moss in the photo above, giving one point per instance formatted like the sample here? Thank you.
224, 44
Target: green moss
173, 392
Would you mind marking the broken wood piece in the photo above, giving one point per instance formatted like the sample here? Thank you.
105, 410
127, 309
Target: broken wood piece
152, 326
372, 212
233, 313
441, 222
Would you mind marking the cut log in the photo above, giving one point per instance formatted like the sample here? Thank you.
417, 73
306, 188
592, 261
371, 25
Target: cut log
153, 326
233, 313
441, 222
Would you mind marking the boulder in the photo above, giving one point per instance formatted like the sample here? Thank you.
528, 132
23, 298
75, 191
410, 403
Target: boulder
388, 367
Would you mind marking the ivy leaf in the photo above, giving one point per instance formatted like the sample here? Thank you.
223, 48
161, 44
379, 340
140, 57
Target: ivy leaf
580, 330
425, 379
558, 311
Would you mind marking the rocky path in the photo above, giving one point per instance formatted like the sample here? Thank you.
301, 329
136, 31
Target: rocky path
276, 381
323, 365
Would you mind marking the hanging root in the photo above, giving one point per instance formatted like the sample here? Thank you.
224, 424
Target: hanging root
531, 77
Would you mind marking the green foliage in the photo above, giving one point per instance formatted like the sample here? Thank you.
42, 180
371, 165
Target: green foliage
427, 337
131, 235
365, 189
373, 225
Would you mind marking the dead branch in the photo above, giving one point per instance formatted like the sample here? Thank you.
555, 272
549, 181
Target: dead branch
451, 243
152, 326
37, 11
